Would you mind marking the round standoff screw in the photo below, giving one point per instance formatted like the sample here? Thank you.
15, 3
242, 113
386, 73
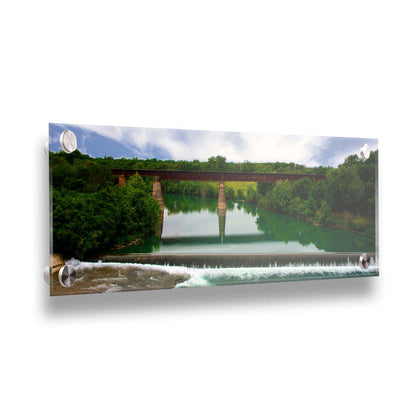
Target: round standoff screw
68, 141
364, 151
67, 276
364, 261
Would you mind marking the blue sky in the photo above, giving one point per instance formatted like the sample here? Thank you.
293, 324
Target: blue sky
99, 141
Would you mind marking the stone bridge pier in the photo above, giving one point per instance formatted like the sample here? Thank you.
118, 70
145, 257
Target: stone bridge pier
122, 180
221, 196
222, 208
221, 224
158, 196
157, 192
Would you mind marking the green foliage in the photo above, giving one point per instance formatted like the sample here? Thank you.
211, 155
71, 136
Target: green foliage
229, 193
214, 163
91, 213
279, 198
264, 187
211, 191
345, 200
302, 188
144, 209
324, 214
252, 195
345, 189
217, 163
83, 223
183, 187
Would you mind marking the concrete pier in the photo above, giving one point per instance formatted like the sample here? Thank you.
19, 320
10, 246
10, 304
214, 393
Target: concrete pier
221, 197
158, 196
122, 180
221, 223
157, 192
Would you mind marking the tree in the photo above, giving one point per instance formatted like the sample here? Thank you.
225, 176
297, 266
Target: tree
90, 212
217, 163
264, 187
345, 189
302, 188
247, 166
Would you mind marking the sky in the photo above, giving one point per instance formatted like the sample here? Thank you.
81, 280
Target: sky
175, 144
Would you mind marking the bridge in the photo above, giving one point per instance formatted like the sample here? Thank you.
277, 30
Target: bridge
196, 175
221, 177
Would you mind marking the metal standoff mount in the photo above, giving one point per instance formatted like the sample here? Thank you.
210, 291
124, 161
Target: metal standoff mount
47, 275
46, 146
67, 276
364, 151
364, 261
68, 141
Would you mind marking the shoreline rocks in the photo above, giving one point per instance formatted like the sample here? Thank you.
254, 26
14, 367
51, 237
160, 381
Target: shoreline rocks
102, 278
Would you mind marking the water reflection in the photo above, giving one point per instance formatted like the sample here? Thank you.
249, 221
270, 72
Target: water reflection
286, 228
195, 225
221, 223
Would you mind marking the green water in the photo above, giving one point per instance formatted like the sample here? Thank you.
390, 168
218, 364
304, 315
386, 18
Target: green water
193, 224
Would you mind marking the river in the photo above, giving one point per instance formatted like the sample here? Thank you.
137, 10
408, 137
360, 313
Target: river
193, 225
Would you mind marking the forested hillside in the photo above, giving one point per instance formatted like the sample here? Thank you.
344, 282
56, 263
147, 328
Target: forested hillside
346, 199
91, 213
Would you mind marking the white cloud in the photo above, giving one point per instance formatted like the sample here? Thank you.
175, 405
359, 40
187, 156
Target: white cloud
272, 147
237, 147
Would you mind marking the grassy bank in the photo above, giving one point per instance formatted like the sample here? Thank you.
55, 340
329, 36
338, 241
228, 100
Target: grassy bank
239, 188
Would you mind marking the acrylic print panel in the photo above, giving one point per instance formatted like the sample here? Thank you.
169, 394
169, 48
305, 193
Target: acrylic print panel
139, 208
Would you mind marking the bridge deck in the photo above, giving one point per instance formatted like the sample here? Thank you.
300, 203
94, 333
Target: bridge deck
190, 175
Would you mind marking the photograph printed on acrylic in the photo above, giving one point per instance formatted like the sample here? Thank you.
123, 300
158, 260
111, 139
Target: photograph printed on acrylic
143, 208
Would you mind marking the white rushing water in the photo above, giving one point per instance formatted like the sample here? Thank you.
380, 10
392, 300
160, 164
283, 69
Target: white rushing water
202, 277
219, 277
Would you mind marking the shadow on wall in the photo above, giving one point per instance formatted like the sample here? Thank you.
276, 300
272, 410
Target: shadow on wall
168, 300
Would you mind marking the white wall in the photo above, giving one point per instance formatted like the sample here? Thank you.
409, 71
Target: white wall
323, 68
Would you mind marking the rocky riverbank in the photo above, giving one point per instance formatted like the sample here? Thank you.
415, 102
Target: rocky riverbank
103, 278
